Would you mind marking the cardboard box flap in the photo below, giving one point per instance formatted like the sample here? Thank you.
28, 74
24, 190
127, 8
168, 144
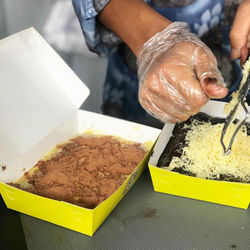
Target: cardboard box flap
37, 92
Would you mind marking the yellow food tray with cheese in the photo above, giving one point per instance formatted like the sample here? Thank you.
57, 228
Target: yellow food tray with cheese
199, 185
40, 98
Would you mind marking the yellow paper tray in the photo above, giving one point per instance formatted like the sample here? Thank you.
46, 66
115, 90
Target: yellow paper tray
45, 111
233, 194
79, 219
226, 193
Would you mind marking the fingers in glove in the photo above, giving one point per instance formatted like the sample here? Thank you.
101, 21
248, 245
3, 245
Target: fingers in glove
165, 105
182, 77
161, 86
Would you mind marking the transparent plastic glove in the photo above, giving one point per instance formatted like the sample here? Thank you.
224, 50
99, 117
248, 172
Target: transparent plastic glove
177, 74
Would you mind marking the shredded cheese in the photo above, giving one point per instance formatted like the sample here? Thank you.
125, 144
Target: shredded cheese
204, 155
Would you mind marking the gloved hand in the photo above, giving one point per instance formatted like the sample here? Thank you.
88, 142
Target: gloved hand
177, 74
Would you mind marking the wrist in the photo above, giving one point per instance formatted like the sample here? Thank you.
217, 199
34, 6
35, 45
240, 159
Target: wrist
147, 32
135, 24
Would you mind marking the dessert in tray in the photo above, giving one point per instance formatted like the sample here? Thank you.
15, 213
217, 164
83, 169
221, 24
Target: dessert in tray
194, 149
84, 170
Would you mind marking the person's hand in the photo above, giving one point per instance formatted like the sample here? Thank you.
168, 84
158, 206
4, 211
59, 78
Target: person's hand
240, 33
177, 74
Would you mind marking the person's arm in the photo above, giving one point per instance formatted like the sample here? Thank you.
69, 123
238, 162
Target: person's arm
133, 21
177, 72
240, 32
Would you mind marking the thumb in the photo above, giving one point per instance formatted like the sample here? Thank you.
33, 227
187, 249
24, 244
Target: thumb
213, 88
244, 54
210, 78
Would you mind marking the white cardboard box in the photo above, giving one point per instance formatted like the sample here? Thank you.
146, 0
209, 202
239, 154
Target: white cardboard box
40, 98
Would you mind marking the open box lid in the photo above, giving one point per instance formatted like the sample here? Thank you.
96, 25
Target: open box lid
37, 92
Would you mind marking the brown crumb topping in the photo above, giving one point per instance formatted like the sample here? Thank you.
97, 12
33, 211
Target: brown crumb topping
86, 170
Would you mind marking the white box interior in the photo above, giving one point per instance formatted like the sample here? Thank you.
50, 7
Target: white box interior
78, 123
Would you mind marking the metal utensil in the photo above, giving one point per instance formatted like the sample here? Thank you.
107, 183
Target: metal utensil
231, 117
